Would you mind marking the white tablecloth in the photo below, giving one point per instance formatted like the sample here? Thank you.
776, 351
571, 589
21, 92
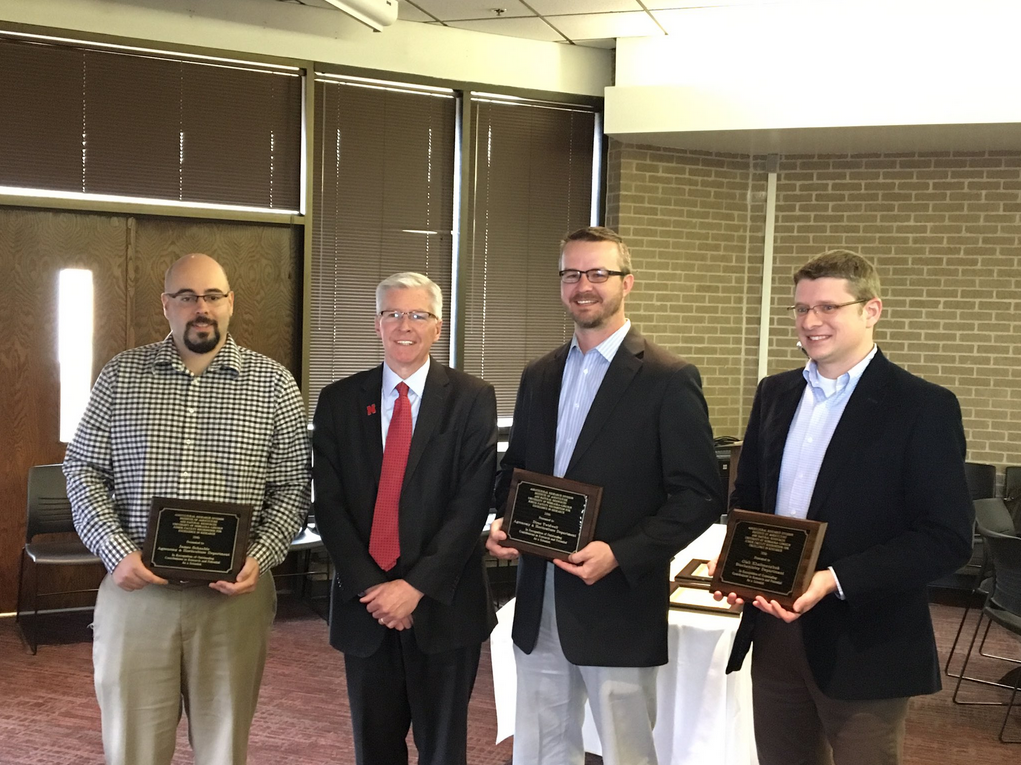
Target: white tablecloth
704, 715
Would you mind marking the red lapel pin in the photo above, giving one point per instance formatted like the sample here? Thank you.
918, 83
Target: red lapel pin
370, 409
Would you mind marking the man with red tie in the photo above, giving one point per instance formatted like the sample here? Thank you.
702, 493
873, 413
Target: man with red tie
403, 467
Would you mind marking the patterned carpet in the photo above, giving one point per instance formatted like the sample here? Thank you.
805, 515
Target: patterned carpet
48, 714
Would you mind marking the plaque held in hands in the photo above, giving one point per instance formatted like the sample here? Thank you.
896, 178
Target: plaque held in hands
768, 555
548, 516
191, 540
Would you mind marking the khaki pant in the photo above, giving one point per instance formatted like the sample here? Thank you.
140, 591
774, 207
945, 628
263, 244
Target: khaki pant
163, 648
796, 724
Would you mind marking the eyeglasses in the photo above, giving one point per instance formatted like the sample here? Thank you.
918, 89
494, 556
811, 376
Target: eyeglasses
594, 275
417, 317
187, 297
820, 309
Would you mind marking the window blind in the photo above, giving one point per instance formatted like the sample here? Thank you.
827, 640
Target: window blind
383, 203
532, 170
112, 121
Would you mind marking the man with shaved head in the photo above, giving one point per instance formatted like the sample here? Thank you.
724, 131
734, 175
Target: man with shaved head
193, 417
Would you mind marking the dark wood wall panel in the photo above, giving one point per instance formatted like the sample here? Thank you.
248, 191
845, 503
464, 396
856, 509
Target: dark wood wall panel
34, 246
263, 263
128, 257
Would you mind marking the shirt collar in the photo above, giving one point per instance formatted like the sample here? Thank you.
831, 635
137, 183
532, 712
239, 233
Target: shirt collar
852, 375
228, 358
416, 382
608, 348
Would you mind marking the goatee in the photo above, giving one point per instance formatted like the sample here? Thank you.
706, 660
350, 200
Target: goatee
205, 345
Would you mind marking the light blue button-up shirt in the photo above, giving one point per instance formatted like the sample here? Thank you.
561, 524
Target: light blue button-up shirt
819, 412
583, 374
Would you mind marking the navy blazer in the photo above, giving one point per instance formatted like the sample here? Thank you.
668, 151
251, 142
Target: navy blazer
892, 490
648, 443
445, 500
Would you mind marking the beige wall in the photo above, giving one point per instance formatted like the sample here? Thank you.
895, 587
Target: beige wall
943, 229
288, 30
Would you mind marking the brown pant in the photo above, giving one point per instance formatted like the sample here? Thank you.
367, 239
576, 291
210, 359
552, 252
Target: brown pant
162, 647
796, 724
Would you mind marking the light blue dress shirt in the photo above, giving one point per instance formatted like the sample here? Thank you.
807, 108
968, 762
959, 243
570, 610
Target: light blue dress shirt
819, 412
583, 374
822, 405
416, 386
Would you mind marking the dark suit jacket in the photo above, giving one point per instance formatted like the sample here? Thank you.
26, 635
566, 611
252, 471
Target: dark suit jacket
648, 443
445, 500
892, 491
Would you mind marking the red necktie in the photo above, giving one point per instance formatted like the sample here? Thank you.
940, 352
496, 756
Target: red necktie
384, 541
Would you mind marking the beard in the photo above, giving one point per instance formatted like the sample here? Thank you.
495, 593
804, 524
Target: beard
597, 318
200, 345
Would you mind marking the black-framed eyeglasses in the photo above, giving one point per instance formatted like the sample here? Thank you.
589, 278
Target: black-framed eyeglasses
594, 275
820, 309
417, 317
187, 297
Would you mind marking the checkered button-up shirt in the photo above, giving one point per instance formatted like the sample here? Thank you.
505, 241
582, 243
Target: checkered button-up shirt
235, 433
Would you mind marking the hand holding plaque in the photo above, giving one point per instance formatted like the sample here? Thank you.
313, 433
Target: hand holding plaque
548, 516
191, 540
769, 555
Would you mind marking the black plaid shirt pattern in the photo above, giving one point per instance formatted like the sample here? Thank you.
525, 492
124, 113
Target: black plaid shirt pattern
236, 433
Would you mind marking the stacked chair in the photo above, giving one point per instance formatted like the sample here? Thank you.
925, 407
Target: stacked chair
1001, 585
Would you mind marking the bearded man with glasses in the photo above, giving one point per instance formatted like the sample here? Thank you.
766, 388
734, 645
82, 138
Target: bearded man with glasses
614, 410
878, 454
194, 417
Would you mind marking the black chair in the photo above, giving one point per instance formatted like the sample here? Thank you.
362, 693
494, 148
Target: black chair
1012, 493
49, 512
981, 479
306, 542
991, 514
1003, 607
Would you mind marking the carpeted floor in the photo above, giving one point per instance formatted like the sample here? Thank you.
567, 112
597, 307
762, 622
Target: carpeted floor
48, 714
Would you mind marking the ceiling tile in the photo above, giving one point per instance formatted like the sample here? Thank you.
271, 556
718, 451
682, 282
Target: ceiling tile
657, 5
674, 20
458, 10
407, 12
567, 7
598, 25
532, 28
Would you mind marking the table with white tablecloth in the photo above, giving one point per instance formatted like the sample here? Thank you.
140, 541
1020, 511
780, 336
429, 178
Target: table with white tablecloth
703, 714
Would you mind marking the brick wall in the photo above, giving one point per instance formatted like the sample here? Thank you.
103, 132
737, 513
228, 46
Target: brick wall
694, 223
943, 229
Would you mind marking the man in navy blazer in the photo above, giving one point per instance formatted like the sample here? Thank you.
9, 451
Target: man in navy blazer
411, 631
610, 409
878, 454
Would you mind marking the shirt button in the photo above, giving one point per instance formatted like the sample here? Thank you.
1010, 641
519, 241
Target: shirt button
187, 442
184, 474
191, 410
809, 439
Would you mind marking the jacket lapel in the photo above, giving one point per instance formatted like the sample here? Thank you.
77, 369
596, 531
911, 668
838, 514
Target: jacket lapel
551, 379
623, 367
369, 412
430, 414
859, 424
780, 419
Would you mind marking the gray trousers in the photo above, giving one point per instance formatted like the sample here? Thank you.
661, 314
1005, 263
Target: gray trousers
551, 695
